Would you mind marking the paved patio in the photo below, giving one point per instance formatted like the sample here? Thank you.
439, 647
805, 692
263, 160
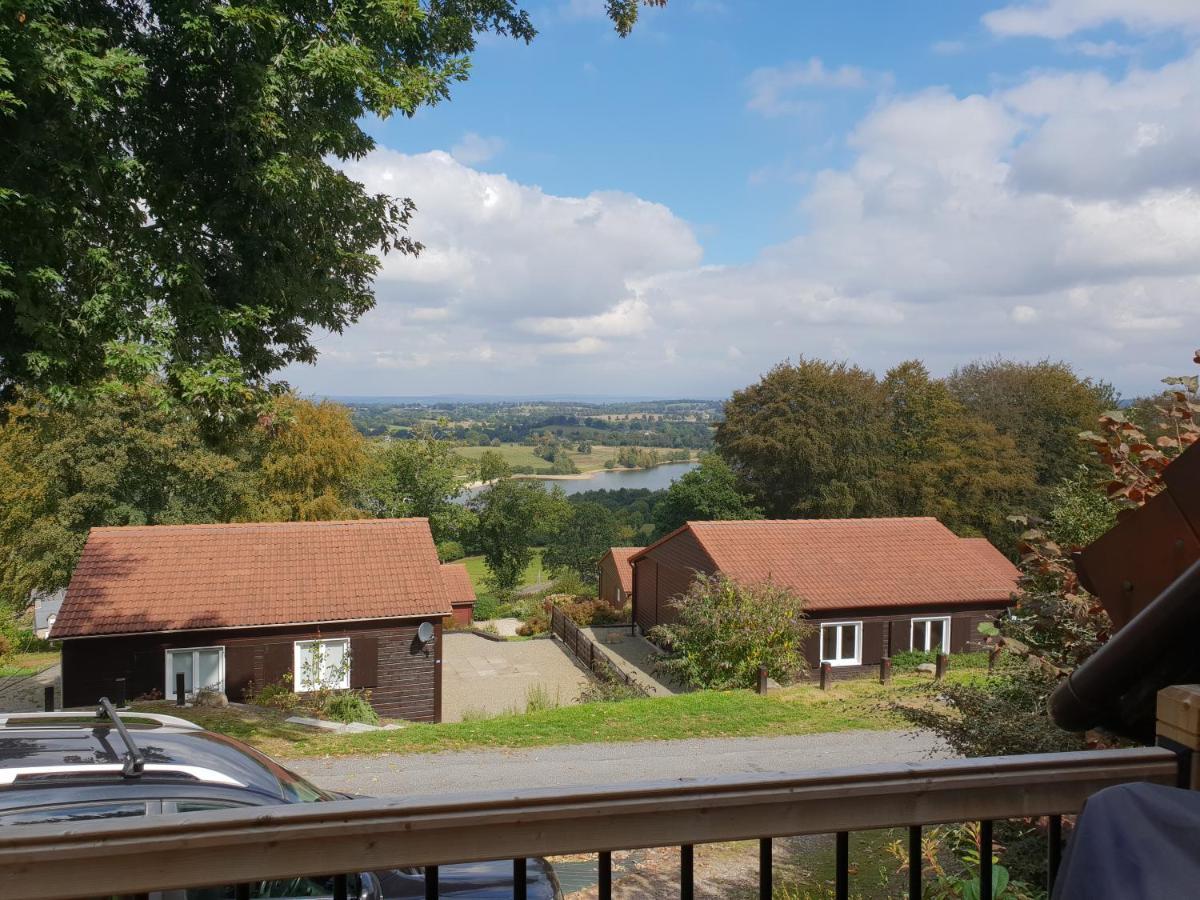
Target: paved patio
483, 677
26, 693
633, 655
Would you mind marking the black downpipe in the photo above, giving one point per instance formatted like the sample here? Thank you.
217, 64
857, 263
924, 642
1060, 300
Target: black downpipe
1116, 686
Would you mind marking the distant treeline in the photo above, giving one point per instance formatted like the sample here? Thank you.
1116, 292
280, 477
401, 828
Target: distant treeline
678, 424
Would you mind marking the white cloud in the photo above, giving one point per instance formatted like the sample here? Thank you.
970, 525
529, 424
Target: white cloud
1059, 217
1062, 18
1100, 139
473, 149
781, 90
1101, 49
949, 48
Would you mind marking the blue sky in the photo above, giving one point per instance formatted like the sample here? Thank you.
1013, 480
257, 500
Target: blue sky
743, 182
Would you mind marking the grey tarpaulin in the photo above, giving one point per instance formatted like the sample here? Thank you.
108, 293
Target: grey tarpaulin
1134, 841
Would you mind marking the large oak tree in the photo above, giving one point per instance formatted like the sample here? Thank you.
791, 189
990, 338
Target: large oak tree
170, 199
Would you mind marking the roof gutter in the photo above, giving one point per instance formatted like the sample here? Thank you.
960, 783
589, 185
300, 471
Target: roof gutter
1116, 686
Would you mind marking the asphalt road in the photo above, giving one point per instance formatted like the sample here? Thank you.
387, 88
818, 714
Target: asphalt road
606, 764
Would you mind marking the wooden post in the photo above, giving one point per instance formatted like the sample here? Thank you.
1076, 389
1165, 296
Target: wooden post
762, 679
943, 662
48, 698
118, 692
826, 675
1179, 729
885, 670
180, 690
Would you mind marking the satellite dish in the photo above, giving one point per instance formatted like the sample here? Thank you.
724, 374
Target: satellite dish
425, 632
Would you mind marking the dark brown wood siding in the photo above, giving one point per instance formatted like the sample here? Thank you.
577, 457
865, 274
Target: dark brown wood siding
364, 661
645, 593
386, 658
887, 632
675, 563
610, 583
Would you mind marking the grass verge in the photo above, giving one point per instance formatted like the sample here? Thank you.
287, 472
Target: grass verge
28, 663
859, 705
265, 729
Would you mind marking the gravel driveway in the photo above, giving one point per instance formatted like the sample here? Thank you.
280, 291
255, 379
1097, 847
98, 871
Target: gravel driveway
584, 764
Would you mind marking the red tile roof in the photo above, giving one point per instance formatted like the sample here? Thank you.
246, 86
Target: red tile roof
621, 556
458, 584
853, 563
184, 577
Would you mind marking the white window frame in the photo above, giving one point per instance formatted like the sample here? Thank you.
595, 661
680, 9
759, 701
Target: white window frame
926, 623
169, 693
301, 648
838, 659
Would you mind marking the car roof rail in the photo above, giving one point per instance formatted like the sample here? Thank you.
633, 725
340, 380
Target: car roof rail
15, 776
134, 762
18, 719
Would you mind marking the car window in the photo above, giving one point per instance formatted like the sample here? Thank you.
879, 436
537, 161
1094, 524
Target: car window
82, 812
283, 889
289, 888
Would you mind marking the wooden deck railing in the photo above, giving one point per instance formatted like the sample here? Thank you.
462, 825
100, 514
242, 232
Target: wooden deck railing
584, 649
129, 856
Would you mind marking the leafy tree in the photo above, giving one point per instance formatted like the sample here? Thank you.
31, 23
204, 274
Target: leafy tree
510, 515
808, 440
726, 630
124, 458
708, 492
947, 463
1080, 511
308, 463
1054, 624
419, 477
493, 465
168, 192
578, 543
1042, 406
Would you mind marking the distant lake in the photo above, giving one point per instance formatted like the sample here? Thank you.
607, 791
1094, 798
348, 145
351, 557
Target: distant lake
656, 479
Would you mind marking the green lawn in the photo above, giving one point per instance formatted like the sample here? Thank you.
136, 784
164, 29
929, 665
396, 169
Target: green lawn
28, 663
266, 729
803, 709
514, 454
478, 569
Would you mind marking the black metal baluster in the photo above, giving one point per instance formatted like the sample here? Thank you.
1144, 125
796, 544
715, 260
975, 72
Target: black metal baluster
985, 860
1053, 852
842, 867
605, 875
519, 879
914, 862
341, 888
687, 875
765, 875
431, 883
241, 892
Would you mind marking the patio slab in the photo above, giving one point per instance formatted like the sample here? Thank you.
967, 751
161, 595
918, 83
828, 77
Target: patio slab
483, 677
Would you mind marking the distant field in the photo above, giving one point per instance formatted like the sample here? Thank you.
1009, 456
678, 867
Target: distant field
514, 454
479, 572
517, 455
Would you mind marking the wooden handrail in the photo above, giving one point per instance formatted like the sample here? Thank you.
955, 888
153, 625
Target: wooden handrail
227, 846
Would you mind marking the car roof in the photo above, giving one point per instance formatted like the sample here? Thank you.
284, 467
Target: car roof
57, 758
